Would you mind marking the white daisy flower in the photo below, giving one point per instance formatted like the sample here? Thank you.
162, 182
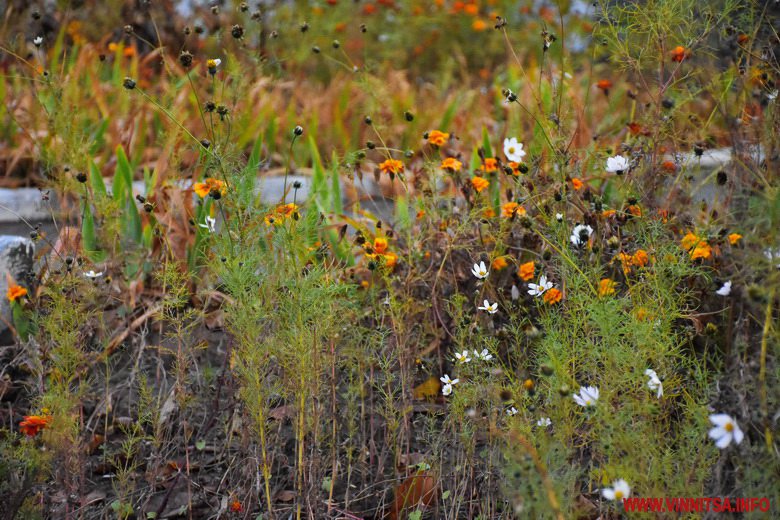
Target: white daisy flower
514, 150
539, 289
463, 357
654, 383
772, 255
93, 274
619, 490
38, 41
559, 217
446, 389
447, 381
617, 164
492, 308
588, 396
580, 235
480, 271
725, 430
725, 290
512, 412
544, 422
209, 224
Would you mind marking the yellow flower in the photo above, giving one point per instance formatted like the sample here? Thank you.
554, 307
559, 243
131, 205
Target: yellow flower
437, 137
526, 271
510, 209
15, 292
552, 296
392, 166
689, 240
479, 183
696, 246
208, 186
606, 287
488, 213
734, 238
703, 250
452, 164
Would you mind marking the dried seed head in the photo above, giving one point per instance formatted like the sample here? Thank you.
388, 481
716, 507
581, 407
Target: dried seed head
209, 106
81, 177
185, 58
315, 49
298, 131
304, 26
243, 7
129, 83
408, 116
128, 29
205, 143
237, 31
336, 44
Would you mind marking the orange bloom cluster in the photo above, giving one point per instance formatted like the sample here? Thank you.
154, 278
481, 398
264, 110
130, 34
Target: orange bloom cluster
734, 238
392, 166
479, 183
236, 507
552, 296
491, 165
510, 209
210, 185
526, 271
577, 184
696, 246
379, 252
32, 424
499, 263
452, 164
606, 287
281, 213
679, 53
15, 292
438, 138
638, 259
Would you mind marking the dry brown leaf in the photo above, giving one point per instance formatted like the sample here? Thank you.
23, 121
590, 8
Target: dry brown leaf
428, 389
417, 490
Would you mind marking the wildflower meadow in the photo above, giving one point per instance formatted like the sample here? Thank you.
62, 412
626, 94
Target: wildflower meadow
389, 259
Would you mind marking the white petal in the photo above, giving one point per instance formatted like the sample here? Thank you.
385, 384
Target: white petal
717, 433
738, 435
720, 419
608, 493
724, 441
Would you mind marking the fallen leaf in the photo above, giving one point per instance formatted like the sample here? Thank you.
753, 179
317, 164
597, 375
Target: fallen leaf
429, 389
417, 490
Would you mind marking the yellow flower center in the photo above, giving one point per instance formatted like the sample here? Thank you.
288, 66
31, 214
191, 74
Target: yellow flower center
511, 149
618, 495
729, 427
587, 401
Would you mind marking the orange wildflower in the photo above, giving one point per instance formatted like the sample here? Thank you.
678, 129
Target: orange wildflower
380, 245
577, 184
208, 186
488, 213
605, 85
437, 137
392, 166
32, 424
669, 166
452, 164
236, 507
515, 168
479, 183
491, 165
607, 213
471, 9
702, 250
479, 25
640, 258
696, 246
369, 9
679, 53
499, 263
634, 210
634, 128
15, 292
734, 238
552, 296
526, 271
129, 52
510, 209
606, 287
390, 259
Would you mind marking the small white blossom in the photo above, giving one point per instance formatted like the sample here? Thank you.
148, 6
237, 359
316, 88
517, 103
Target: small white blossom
772, 95
539, 289
617, 164
725, 290
559, 217
209, 224
484, 355
772, 255
512, 412
588, 396
515, 292
654, 383
93, 274
492, 308
447, 381
480, 271
725, 430
619, 490
446, 389
544, 422
580, 235
514, 150
38, 41
463, 357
